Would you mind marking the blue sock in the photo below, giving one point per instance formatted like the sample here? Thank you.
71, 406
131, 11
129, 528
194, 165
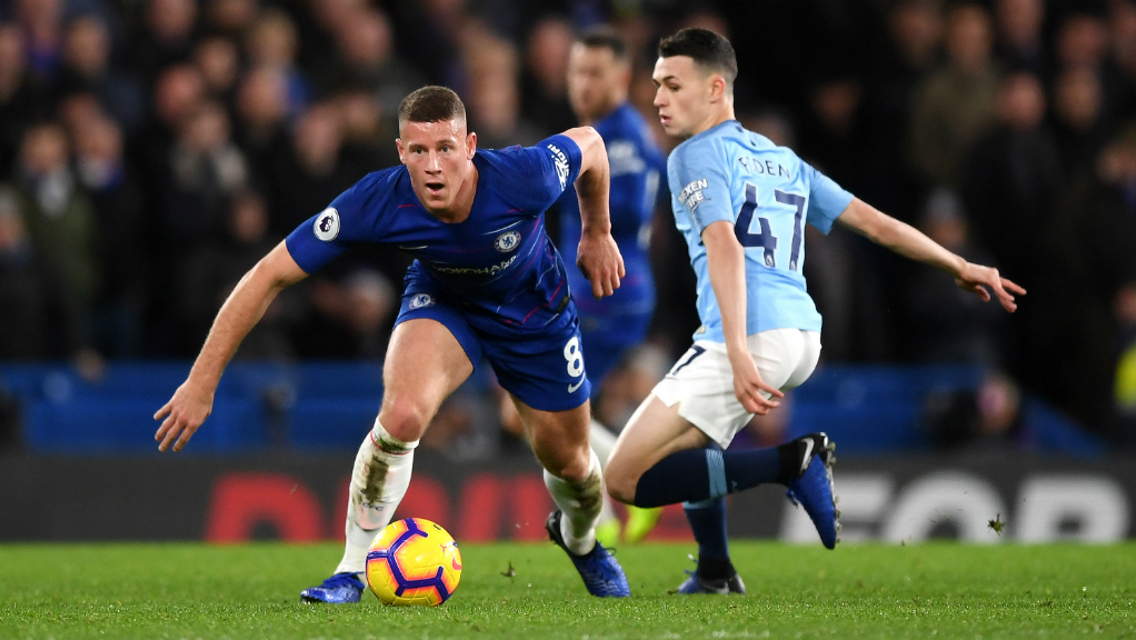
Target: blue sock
697, 475
708, 522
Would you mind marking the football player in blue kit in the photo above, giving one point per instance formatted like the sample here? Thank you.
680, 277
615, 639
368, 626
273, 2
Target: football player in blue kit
486, 283
599, 77
742, 203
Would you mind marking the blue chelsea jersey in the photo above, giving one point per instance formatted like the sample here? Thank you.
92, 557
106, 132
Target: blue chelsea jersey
637, 166
767, 194
497, 266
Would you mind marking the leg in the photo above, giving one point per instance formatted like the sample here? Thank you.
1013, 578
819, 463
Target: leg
425, 363
573, 477
571, 469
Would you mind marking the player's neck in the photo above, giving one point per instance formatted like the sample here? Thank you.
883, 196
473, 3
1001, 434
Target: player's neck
715, 118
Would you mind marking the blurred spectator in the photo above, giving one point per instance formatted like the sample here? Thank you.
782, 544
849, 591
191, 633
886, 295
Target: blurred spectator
87, 68
262, 110
494, 97
369, 62
1080, 126
949, 324
124, 231
272, 43
59, 219
955, 105
206, 169
544, 89
165, 37
1013, 178
36, 323
218, 60
1019, 41
351, 317
1082, 40
305, 180
1125, 376
21, 97
213, 271
42, 24
987, 419
368, 137
230, 18
1090, 251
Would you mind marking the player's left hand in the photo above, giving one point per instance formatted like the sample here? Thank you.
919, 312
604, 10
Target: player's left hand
748, 386
599, 260
976, 278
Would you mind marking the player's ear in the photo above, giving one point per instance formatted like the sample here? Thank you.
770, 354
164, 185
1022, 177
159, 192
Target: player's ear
717, 87
398, 145
470, 145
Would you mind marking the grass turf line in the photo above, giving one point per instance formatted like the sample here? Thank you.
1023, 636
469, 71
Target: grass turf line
858, 591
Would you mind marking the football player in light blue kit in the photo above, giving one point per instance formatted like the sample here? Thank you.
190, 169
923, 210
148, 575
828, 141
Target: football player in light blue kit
742, 204
599, 76
486, 283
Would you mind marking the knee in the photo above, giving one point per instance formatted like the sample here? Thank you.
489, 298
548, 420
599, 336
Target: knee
620, 481
570, 464
405, 419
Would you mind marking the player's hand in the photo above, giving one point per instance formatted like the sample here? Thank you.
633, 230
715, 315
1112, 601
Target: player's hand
748, 386
976, 278
599, 260
184, 413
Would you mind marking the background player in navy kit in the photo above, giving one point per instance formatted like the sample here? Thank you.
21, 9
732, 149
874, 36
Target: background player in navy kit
599, 76
486, 282
742, 203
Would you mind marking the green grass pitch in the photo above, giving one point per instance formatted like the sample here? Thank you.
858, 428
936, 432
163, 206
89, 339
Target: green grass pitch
858, 591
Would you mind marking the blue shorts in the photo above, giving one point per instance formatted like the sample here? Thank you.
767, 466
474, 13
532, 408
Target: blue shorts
607, 339
544, 371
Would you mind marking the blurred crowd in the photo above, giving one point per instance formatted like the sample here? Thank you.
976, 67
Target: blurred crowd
152, 150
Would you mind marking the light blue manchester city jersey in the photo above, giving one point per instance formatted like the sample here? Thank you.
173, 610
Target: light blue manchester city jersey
768, 194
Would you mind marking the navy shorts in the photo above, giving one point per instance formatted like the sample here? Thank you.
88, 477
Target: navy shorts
545, 371
608, 339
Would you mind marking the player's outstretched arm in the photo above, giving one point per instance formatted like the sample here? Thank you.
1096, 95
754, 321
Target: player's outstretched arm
725, 261
192, 403
912, 243
598, 256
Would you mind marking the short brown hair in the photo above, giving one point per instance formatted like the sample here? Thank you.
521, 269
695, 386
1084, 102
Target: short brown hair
709, 50
431, 104
605, 37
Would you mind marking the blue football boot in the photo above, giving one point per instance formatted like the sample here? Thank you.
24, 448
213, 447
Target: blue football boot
812, 487
341, 588
602, 575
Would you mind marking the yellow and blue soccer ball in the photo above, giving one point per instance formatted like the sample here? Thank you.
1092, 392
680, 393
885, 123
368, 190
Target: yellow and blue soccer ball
413, 561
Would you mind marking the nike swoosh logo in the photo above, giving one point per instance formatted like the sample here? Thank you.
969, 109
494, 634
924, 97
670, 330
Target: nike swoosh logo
808, 455
572, 387
413, 248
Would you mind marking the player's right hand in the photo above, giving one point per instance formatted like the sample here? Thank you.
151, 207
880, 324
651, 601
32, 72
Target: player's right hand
748, 386
976, 278
184, 413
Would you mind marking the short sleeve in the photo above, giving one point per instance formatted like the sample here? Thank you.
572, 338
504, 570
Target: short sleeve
546, 170
702, 183
326, 235
827, 200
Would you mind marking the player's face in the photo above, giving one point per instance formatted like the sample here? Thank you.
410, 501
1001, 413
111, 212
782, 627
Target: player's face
682, 94
596, 81
438, 156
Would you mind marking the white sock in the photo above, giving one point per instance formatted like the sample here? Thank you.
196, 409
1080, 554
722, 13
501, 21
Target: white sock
603, 441
580, 503
378, 483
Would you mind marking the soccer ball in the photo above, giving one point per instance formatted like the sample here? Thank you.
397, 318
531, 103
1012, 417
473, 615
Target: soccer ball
413, 561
